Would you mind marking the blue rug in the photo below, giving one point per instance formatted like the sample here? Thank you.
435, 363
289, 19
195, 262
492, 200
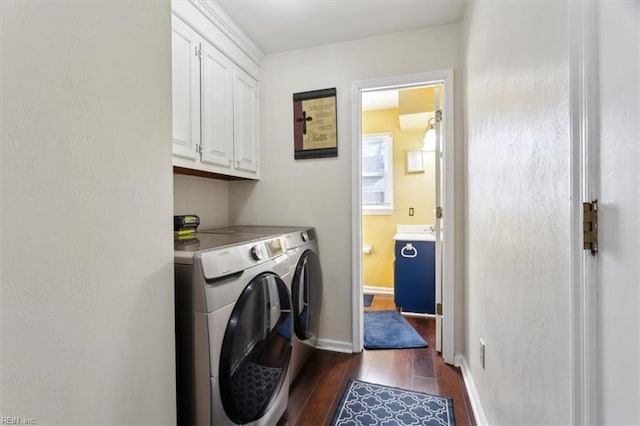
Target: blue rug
367, 299
389, 330
372, 404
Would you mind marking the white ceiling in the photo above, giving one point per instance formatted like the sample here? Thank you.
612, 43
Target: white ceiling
381, 99
281, 25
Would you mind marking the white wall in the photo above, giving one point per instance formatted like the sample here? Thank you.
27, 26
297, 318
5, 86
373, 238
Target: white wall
87, 256
318, 192
207, 198
518, 217
619, 256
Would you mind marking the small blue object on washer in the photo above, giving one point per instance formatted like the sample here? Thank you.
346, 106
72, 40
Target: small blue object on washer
284, 329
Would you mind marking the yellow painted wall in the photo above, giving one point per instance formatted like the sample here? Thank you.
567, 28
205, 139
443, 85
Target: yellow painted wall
415, 190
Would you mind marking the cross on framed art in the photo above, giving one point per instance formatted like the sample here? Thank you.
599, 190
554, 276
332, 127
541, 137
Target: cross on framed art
314, 124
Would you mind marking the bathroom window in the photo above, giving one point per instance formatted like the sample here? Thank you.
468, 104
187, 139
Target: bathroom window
377, 174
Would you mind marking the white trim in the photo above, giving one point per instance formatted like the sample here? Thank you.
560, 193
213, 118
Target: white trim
335, 346
357, 315
220, 19
584, 183
208, 20
444, 77
474, 398
417, 315
377, 290
448, 269
377, 211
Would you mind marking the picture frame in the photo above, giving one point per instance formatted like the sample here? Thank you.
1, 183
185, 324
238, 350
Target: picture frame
415, 161
315, 124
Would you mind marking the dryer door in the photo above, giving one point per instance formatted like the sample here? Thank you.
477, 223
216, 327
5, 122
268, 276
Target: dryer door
255, 355
306, 294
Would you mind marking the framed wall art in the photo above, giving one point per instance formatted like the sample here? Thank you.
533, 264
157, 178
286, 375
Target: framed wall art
314, 124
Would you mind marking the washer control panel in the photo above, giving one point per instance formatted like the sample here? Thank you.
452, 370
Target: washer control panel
236, 258
256, 252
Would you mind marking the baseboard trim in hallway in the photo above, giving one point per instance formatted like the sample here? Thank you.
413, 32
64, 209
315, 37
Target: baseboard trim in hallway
474, 398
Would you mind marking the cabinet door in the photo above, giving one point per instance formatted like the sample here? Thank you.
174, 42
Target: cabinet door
245, 122
186, 89
217, 108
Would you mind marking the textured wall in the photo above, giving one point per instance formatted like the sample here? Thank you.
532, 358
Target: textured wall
318, 192
207, 198
415, 190
518, 215
619, 257
87, 256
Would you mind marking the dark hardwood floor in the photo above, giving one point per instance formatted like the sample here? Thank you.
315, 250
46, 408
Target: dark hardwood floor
315, 395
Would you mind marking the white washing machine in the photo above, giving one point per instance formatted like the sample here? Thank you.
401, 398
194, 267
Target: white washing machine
304, 283
232, 303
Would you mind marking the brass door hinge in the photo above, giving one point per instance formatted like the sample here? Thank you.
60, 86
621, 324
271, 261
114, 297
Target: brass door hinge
438, 308
590, 226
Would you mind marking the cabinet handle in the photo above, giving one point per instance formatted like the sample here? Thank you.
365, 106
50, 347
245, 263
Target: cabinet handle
409, 248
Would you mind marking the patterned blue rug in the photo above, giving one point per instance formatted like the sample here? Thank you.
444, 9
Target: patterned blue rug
389, 330
372, 404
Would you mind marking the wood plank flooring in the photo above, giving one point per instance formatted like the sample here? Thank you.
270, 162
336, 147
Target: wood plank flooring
315, 395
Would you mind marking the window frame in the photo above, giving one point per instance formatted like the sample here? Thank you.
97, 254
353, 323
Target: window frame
385, 208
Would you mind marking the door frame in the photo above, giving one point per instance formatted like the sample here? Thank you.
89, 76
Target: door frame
445, 78
585, 169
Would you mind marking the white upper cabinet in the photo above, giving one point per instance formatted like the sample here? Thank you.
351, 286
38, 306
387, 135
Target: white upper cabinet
215, 97
217, 108
186, 90
246, 120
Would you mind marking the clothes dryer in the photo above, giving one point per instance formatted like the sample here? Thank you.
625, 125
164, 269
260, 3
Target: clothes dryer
231, 301
305, 280
304, 283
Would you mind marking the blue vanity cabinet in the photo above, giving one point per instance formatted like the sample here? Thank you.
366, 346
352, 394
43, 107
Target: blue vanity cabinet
415, 276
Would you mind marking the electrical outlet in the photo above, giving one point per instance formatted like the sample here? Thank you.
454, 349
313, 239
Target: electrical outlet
410, 211
482, 353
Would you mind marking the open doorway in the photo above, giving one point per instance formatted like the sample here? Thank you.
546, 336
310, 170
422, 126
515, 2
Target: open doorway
400, 151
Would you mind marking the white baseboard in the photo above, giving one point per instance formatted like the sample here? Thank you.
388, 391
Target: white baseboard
377, 290
474, 398
335, 346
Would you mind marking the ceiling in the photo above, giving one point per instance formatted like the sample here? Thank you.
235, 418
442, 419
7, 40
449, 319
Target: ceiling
381, 99
281, 25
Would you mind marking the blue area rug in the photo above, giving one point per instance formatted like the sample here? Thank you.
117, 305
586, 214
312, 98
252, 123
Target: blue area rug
372, 404
367, 299
389, 330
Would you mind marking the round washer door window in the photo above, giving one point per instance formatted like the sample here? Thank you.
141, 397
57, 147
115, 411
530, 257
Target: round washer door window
255, 350
306, 293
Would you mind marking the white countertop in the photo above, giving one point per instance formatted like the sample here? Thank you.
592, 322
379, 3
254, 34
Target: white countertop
414, 233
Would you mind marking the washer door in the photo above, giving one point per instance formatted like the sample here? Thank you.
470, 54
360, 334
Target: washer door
306, 293
254, 356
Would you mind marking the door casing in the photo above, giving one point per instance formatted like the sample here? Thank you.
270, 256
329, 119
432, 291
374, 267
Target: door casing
444, 78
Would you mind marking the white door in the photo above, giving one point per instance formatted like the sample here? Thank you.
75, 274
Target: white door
245, 122
217, 107
618, 204
185, 45
438, 217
